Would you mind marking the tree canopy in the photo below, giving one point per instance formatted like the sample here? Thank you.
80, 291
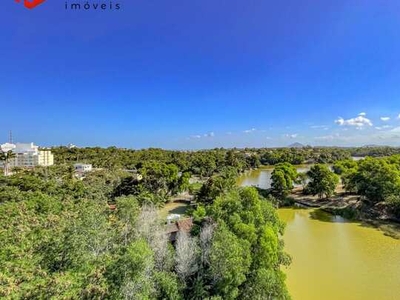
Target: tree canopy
323, 181
282, 179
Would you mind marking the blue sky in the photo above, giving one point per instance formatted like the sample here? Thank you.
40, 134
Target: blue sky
195, 74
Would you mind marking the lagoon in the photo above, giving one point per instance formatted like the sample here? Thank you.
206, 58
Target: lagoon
334, 258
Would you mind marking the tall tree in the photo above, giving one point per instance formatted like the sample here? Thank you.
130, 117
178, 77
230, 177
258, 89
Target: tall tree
5, 157
282, 179
322, 181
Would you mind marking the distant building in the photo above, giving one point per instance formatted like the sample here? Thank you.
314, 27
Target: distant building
71, 146
83, 168
28, 155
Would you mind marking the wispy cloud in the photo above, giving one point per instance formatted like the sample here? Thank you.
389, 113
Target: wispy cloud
249, 130
291, 136
324, 127
199, 136
362, 114
385, 119
383, 127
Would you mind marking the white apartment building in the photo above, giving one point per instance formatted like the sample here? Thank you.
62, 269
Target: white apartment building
28, 155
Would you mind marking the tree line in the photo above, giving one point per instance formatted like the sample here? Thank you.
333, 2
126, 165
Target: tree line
204, 162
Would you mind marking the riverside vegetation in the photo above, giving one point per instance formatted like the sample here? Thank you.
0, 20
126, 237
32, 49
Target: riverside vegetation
376, 182
60, 239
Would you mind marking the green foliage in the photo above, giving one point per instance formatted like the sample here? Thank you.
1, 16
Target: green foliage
199, 213
376, 179
298, 156
394, 204
266, 284
378, 151
230, 260
217, 185
203, 163
160, 181
183, 182
282, 180
160, 178
132, 272
61, 240
322, 181
342, 166
194, 188
302, 179
167, 286
254, 223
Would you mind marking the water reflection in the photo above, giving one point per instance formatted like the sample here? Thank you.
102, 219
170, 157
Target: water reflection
320, 215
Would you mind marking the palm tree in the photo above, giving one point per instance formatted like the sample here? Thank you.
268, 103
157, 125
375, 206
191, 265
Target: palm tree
5, 157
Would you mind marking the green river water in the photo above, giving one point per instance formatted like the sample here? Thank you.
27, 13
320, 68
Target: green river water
333, 258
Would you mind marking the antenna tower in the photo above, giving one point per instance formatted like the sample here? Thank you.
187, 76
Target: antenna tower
10, 138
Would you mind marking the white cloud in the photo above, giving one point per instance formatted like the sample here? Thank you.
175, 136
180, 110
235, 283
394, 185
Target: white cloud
250, 130
199, 136
359, 122
385, 119
363, 114
291, 136
398, 117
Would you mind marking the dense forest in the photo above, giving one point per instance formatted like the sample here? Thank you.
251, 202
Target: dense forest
61, 239
101, 237
204, 162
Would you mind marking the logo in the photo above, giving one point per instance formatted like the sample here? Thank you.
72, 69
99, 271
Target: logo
31, 3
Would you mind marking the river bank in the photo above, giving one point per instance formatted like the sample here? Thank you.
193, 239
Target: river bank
351, 207
342, 203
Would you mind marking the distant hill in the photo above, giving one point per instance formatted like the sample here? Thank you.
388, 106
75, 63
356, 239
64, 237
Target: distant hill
296, 145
